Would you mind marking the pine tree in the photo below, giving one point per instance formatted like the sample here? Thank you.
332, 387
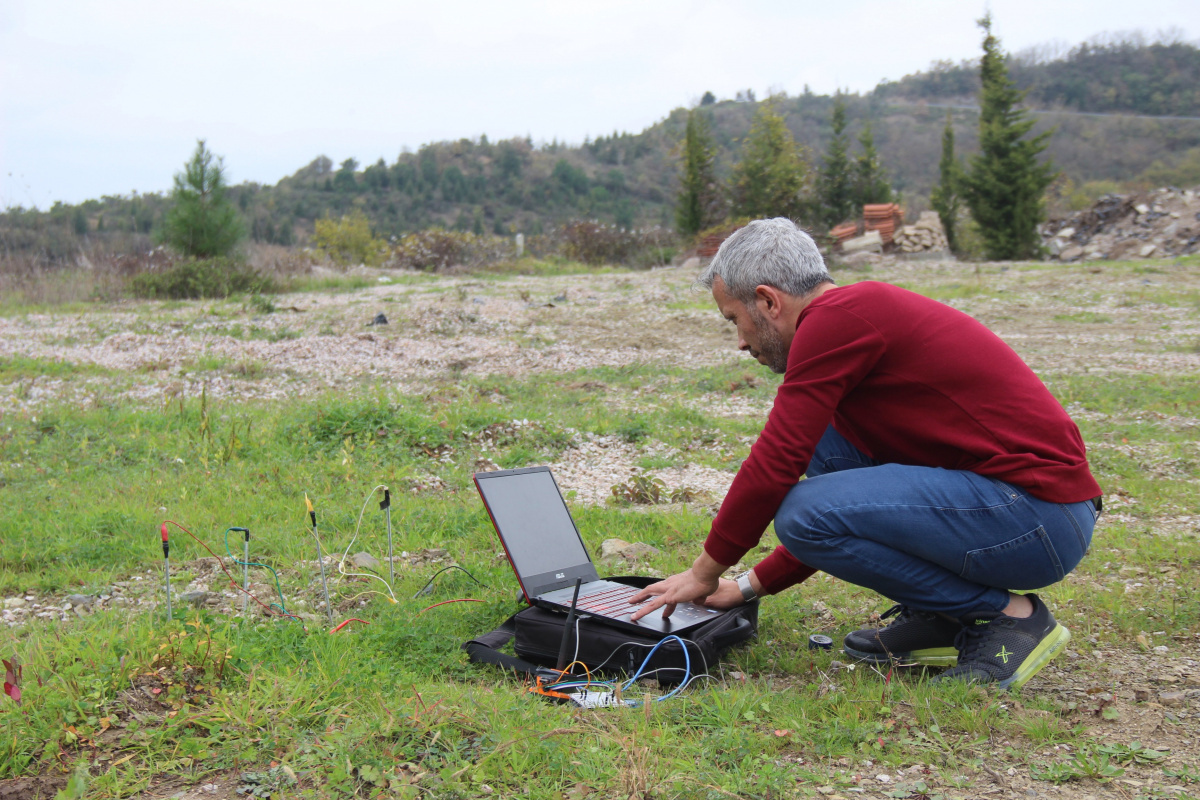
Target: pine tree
202, 222
1006, 186
773, 172
945, 198
699, 202
835, 189
870, 180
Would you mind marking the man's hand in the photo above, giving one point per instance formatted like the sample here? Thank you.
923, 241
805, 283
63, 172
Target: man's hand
690, 586
727, 595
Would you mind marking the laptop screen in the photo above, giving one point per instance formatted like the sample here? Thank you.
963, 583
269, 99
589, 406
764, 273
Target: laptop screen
533, 521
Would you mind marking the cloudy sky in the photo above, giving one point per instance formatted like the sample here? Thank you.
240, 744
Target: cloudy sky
107, 98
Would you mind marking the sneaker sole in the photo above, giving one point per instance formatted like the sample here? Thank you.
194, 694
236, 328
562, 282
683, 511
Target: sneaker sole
929, 657
1042, 655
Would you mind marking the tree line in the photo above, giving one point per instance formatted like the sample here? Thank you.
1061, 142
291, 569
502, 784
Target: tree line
630, 180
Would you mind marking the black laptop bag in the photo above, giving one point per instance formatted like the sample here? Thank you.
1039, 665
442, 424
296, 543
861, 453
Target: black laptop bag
537, 636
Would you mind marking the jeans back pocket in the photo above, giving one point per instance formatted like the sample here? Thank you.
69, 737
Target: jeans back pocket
1026, 562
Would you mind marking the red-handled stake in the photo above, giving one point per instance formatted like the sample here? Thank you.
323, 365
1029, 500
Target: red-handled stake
167, 567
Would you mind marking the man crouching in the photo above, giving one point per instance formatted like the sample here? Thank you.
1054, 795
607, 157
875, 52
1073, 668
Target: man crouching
938, 469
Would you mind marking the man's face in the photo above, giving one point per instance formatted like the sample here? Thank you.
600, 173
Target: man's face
756, 333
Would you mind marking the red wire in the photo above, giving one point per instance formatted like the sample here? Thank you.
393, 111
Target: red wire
232, 580
444, 602
347, 622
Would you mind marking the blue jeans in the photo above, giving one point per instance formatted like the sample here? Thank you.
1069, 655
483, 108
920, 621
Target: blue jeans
934, 539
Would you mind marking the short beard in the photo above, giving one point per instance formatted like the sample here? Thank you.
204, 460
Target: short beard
770, 342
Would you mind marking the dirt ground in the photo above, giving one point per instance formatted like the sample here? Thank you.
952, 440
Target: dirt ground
1095, 320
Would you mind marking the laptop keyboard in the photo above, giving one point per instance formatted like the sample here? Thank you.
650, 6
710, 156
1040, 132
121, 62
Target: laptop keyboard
613, 602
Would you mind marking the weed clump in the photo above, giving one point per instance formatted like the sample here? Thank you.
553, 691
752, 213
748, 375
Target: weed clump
201, 279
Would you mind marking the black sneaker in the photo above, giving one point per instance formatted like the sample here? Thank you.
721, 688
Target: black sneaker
1008, 651
920, 637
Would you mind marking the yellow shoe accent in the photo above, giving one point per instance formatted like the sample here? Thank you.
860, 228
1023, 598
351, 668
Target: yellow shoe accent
1043, 654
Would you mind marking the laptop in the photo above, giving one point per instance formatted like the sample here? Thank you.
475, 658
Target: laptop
548, 556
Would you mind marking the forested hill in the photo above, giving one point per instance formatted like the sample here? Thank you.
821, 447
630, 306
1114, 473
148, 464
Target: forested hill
631, 179
1115, 77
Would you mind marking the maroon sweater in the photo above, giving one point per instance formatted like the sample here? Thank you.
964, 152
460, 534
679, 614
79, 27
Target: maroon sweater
907, 380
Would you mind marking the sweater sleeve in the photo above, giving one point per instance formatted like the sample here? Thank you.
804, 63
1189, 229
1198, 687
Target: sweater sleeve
781, 570
832, 351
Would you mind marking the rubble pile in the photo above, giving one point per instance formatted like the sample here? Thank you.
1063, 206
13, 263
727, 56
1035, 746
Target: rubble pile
1162, 223
924, 236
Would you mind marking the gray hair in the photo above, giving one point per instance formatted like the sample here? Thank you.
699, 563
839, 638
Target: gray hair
771, 252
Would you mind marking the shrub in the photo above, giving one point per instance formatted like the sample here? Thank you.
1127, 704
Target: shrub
436, 249
349, 240
186, 280
596, 243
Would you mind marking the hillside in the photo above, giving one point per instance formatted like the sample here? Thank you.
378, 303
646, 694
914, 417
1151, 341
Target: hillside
630, 179
1118, 77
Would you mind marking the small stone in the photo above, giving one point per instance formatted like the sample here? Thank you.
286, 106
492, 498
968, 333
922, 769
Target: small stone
1141, 695
561, 298
692, 263
195, 598
612, 548
1142, 208
1071, 253
14, 602
1162, 648
1066, 233
364, 561
79, 600
1147, 250
380, 319
1172, 699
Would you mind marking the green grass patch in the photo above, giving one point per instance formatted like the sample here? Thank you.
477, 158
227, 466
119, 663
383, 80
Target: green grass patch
1086, 317
21, 368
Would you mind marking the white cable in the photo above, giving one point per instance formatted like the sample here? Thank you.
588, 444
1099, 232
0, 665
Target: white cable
357, 526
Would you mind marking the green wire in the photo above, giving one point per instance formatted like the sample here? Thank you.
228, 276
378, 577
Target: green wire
280, 605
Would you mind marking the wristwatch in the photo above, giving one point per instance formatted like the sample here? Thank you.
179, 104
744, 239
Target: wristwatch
748, 592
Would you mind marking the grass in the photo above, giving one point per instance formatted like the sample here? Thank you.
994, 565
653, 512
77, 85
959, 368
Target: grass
130, 702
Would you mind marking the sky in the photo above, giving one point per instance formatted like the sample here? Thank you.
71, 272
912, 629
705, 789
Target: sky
109, 98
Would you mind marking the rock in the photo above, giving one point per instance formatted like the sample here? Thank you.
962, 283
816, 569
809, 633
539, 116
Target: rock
562, 298
1071, 253
1141, 694
79, 600
364, 561
611, 548
1172, 699
1142, 208
861, 260
619, 548
870, 242
692, 263
1147, 250
14, 602
380, 319
1065, 233
197, 598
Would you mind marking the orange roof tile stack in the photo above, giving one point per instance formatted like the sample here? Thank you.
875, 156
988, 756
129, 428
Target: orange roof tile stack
847, 230
885, 218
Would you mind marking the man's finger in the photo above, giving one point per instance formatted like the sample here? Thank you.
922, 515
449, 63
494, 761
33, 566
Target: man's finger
668, 610
644, 593
657, 602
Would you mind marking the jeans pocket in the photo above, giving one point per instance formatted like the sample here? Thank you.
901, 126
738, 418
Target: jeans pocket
1026, 562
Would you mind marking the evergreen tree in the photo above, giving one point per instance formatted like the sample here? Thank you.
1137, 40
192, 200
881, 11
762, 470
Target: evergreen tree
835, 188
699, 202
945, 198
773, 172
202, 222
870, 180
1006, 185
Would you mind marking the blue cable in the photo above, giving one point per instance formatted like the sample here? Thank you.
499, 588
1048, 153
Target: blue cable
687, 668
